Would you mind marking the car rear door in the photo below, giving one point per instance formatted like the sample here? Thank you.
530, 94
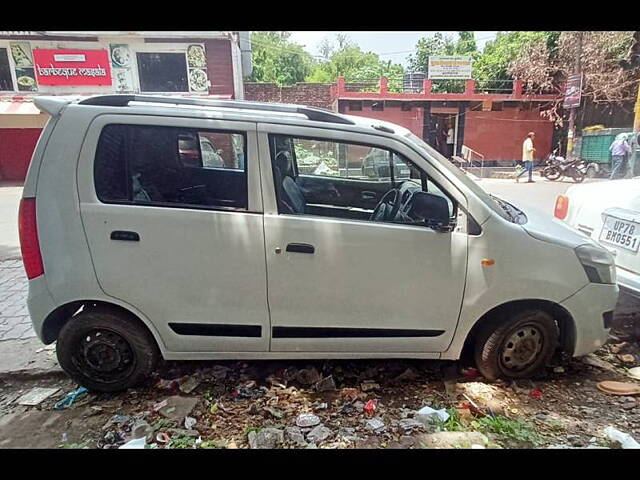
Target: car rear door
182, 243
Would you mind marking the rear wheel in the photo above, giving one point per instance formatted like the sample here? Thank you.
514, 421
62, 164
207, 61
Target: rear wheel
551, 173
577, 175
518, 346
106, 351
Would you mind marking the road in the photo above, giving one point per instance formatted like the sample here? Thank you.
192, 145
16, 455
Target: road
541, 194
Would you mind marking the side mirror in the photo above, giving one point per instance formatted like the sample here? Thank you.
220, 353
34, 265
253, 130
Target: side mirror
433, 209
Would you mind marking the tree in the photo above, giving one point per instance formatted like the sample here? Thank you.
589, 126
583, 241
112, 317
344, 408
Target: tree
276, 59
349, 61
492, 66
440, 45
545, 68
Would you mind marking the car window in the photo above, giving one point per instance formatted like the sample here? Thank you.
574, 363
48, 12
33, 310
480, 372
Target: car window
167, 166
348, 180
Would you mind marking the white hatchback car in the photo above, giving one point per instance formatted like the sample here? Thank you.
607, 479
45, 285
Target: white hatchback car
609, 212
134, 253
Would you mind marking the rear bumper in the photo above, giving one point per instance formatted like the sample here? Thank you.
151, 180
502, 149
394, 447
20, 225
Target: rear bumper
40, 304
588, 307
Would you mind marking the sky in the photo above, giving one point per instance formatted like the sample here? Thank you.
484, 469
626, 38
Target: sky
394, 46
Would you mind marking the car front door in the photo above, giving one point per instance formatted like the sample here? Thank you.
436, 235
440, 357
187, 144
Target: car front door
340, 282
176, 239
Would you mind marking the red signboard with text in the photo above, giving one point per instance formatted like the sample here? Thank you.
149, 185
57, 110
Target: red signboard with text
64, 67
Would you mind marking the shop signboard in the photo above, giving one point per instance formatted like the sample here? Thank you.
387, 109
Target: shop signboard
66, 67
449, 67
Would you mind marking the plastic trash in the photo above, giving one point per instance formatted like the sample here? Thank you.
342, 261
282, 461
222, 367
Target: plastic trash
634, 372
135, 443
70, 399
189, 422
430, 414
624, 439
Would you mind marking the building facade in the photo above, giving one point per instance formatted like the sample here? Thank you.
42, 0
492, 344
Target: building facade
202, 64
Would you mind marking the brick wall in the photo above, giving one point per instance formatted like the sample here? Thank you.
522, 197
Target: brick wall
311, 94
16, 148
219, 67
499, 135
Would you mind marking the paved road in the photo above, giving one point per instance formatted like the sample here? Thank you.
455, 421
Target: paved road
541, 194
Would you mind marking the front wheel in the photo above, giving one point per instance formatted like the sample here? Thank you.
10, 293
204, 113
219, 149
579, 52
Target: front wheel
516, 346
105, 350
551, 173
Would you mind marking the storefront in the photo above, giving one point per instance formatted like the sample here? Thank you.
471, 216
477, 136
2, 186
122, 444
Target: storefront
203, 64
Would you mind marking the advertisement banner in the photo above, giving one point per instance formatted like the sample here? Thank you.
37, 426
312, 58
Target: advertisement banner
64, 67
449, 67
573, 91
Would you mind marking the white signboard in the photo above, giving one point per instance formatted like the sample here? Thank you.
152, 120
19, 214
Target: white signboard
449, 67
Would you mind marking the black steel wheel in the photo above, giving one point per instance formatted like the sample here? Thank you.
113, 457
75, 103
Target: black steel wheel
551, 173
517, 346
105, 350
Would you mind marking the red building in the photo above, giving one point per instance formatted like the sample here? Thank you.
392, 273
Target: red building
202, 64
492, 124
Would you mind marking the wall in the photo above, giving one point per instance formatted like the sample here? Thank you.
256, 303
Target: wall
311, 94
499, 135
16, 148
411, 119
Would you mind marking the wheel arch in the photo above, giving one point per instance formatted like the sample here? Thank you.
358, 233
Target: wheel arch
54, 322
566, 323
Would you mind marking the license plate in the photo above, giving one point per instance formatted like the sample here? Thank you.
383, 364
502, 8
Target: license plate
621, 233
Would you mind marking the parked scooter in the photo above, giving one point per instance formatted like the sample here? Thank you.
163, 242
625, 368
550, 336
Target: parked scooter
557, 167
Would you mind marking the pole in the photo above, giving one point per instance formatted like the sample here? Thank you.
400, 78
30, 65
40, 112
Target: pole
636, 121
572, 115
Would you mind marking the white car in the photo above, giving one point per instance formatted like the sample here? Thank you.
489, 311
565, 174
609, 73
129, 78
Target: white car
609, 213
133, 254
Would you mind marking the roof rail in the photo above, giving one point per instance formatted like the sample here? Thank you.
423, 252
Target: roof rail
312, 113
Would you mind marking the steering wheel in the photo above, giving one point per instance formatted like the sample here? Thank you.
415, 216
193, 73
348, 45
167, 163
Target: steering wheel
388, 207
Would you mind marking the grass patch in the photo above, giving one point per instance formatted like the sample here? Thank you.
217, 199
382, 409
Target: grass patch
508, 428
182, 442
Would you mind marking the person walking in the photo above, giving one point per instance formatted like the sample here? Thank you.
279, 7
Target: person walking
527, 157
619, 149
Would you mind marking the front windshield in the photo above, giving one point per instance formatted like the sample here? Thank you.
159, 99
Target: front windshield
460, 175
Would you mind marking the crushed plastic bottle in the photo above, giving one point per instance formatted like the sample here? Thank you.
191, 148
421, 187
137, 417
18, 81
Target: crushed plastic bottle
624, 439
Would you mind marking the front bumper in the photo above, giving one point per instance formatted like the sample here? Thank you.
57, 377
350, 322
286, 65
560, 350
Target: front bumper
587, 307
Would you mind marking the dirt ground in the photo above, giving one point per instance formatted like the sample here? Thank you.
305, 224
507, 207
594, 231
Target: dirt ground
359, 404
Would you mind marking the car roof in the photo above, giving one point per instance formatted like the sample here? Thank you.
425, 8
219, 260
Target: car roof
232, 110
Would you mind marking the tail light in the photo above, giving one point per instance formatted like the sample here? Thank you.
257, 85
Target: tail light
562, 207
29, 243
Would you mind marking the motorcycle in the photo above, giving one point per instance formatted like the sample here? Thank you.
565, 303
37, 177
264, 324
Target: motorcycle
556, 167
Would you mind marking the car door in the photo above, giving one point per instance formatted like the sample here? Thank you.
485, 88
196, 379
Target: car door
175, 239
349, 285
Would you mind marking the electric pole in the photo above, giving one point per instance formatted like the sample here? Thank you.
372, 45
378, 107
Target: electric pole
572, 114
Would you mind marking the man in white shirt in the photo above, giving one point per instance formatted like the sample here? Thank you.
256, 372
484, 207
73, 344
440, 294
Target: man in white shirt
450, 138
527, 156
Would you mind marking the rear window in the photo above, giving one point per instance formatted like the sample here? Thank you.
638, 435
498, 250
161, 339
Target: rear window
172, 167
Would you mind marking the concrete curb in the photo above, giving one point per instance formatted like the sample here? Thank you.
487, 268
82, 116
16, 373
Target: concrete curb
26, 359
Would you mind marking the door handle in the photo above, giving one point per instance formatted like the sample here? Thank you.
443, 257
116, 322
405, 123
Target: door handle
301, 248
125, 236
368, 195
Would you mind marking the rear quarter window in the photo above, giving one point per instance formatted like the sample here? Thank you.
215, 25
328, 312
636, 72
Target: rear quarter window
167, 166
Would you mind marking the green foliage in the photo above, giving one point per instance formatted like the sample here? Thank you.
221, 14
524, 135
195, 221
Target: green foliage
438, 44
512, 429
494, 61
276, 59
182, 442
347, 60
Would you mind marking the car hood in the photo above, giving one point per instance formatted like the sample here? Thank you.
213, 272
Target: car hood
542, 226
